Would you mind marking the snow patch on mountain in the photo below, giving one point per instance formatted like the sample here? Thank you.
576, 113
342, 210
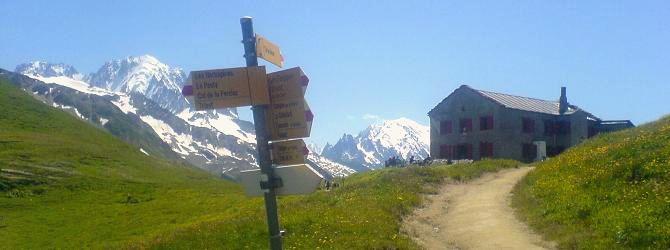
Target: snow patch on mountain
222, 123
46, 69
373, 146
149, 90
145, 75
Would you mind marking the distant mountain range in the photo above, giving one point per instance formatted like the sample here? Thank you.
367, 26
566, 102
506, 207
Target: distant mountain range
148, 94
373, 146
139, 100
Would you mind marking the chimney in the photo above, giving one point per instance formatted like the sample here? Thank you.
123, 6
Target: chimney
562, 102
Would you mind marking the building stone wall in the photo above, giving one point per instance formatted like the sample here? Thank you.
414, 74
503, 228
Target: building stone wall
507, 134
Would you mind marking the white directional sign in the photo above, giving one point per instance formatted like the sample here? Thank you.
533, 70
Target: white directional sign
297, 179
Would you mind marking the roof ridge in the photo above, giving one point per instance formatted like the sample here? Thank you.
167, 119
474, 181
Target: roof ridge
515, 95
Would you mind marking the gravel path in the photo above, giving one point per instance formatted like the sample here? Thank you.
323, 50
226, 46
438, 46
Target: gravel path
474, 215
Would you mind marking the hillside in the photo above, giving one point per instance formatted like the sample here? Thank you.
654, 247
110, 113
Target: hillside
66, 184
611, 192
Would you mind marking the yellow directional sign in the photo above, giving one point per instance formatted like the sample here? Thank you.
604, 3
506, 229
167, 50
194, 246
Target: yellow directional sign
291, 152
269, 51
228, 88
289, 119
287, 84
289, 116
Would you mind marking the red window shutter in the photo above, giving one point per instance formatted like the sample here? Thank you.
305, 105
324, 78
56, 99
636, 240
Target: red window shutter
528, 125
489, 122
482, 150
445, 127
469, 150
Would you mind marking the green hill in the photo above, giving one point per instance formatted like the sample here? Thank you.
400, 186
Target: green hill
611, 192
66, 184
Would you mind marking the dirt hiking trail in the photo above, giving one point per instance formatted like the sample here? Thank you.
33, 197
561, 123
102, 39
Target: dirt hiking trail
474, 215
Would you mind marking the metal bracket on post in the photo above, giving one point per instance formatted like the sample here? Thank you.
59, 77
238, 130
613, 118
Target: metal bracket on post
272, 183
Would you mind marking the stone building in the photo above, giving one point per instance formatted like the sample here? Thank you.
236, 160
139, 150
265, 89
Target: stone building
476, 124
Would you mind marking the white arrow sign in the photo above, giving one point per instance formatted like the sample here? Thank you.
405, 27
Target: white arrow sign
296, 179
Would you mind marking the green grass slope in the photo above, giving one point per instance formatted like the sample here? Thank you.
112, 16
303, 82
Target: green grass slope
365, 212
67, 185
612, 192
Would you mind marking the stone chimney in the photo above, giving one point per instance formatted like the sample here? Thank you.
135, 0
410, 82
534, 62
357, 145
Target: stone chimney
562, 102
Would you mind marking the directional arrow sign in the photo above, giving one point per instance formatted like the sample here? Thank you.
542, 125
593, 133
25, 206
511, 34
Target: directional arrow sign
287, 84
228, 88
289, 116
289, 119
291, 152
297, 179
269, 51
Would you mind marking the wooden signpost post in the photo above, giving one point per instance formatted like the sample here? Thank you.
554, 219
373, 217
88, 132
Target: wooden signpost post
280, 113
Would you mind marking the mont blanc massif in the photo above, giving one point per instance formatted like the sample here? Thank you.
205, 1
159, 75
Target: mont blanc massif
139, 100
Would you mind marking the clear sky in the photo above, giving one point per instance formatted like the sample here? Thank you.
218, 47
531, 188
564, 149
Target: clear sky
371, 60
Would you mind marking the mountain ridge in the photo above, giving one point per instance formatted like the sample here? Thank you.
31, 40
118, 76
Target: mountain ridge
371, 147
142, 86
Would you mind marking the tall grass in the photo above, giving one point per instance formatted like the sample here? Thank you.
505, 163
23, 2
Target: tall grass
611, 192
365, 212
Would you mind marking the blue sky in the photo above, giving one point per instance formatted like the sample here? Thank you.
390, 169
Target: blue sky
371, 60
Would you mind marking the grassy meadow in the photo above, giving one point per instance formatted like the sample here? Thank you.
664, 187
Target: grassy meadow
611, 192
67, 185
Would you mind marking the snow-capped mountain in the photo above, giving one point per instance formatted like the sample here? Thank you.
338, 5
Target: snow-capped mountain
149, 92
374, 145
145, 75
45, 69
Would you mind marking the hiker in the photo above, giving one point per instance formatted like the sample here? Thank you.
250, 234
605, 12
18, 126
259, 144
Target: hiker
411, 159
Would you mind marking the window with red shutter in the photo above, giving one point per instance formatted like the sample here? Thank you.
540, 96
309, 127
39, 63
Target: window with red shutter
549, 128
446, 151
465, 125
485, 123
485, 149
445, 127
528, 125
469, 151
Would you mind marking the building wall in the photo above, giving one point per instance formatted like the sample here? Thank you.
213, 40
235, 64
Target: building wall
507, 134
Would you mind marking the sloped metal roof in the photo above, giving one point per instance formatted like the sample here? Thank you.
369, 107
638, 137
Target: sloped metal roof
526, 103
521, 103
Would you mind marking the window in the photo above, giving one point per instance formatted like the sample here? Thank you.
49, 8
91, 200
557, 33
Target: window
485, 150
528, 125
464, 151
445, 127
528, 151
446, 151
485, 122
465, 125
563, 127
549, 127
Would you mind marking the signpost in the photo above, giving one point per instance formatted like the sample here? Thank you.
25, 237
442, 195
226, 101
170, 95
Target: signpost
280, 113
269, 51
289, 115
309, 180
291, 152
227, 88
